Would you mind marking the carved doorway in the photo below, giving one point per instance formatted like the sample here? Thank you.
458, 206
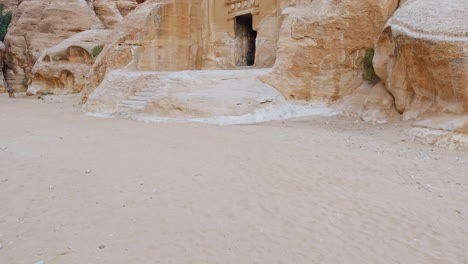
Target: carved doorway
245, 40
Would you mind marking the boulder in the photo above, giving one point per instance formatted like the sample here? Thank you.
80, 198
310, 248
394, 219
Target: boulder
321, 44
64, 68
422, 56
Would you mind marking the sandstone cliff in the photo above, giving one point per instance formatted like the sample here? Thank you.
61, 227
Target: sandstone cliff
422, 57
38, 25
41, 24
321, 44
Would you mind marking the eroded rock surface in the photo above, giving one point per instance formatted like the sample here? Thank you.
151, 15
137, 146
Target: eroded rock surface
321, 44
64, 68
422, 56
154, 37
111, 12
38, 25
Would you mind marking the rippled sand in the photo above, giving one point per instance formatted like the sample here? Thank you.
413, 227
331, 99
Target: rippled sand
309, 190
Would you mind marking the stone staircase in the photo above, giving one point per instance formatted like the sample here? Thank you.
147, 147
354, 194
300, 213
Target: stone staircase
137, 102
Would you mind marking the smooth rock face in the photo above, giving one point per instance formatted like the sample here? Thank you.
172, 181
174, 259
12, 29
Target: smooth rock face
422, 56
184, 94
64, 68
320, 46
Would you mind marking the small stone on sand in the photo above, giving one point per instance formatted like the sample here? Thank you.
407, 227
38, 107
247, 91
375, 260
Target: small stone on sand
102, 246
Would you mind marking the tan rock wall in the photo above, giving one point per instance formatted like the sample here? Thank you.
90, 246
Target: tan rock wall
111, 12
321, 44
221, 43
422, 56
184, 35
64, 68
38, 25
41, 24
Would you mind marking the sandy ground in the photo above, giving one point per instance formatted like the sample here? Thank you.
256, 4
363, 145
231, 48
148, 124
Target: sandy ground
309, 190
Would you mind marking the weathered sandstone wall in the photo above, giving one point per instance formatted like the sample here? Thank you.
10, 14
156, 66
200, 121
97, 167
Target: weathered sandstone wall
186, 35
321, 44
41, 24
64, 68
38, 25
422, 55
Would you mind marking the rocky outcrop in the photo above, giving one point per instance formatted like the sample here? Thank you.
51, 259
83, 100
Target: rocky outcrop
156, 36
183, 94
320, 46
38, 25
64, 68
422, 56
111, 12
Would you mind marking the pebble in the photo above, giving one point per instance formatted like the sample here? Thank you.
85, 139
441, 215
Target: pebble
87, 171
102, 246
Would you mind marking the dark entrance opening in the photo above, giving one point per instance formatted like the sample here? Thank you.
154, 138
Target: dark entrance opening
245, 40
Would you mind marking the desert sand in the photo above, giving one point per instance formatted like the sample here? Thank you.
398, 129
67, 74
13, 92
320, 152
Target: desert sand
78, 189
